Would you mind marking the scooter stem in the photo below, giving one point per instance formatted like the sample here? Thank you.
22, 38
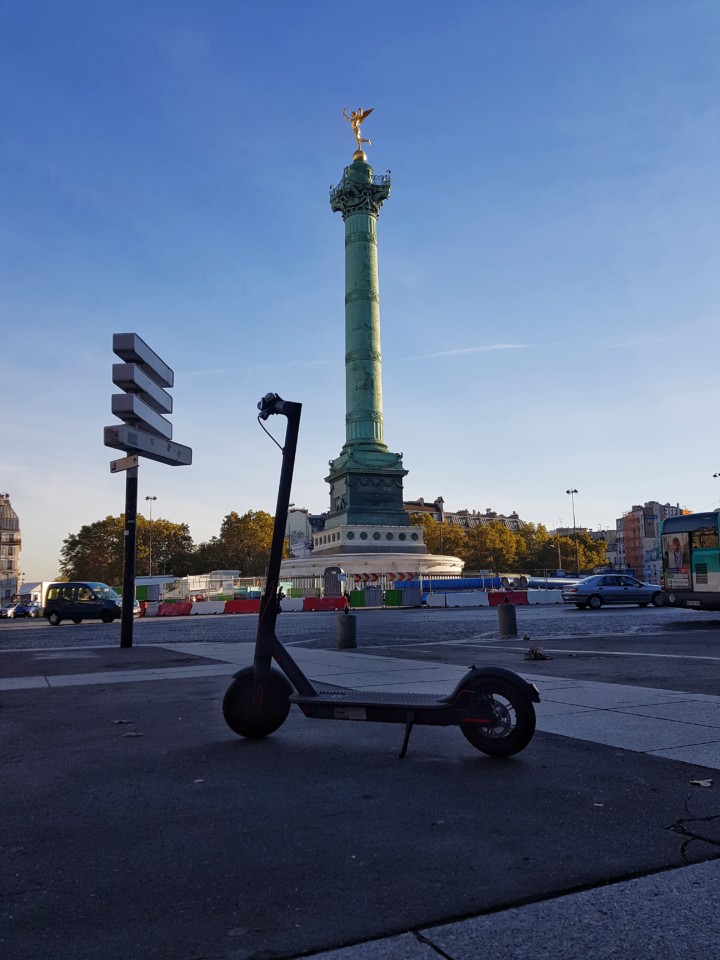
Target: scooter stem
272, 404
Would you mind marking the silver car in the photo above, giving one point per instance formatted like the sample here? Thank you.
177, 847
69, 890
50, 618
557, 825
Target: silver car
8, 609
593, 592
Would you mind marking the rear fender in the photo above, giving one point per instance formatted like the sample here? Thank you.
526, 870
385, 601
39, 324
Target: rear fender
527, 689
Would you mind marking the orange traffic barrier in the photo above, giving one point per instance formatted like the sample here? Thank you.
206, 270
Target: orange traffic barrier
174, 609
325, 603
242, 606
516, 597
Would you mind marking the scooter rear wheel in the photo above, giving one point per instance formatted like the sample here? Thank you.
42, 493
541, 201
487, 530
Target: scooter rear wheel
515, 719
241, 713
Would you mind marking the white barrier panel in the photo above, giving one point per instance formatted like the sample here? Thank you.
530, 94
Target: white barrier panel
477, 598
474, 598
152, 608
207, 606
291, 603
544, 596
435, 600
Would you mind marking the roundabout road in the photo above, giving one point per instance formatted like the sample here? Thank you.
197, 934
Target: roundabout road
673, 649
130, 805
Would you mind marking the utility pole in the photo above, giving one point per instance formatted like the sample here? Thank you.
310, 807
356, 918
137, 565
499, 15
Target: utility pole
572, 491
152, 500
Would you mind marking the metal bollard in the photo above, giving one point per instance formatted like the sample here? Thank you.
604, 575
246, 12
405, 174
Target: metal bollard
347, 631
507, 619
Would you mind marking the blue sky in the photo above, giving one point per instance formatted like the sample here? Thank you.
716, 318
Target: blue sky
548, 256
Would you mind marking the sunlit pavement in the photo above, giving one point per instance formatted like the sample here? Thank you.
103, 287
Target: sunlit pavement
672, 724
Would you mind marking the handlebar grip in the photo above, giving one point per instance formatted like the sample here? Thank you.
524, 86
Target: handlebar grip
267, 406
273, 403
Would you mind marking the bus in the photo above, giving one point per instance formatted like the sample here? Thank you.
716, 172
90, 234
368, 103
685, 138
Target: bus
690, 547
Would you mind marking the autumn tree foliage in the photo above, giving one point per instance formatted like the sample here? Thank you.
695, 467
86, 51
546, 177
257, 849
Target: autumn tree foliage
243, 544
493, 546
95, 552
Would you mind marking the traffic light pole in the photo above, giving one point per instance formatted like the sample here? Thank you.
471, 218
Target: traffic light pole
128, 596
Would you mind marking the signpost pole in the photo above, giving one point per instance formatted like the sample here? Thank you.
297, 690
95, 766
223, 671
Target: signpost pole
128, 597
144, 431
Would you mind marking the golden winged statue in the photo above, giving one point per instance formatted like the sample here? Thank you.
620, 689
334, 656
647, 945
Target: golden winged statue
356, 117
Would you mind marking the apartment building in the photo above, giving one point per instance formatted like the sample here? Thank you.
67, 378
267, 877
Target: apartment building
637, 540
461, 518
10, 544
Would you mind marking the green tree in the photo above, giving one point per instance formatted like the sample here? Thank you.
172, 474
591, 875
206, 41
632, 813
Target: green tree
244, 543
208, 556
172, 547
491, 546
590, 553
562, 554
532, 544
96, 552
440, 538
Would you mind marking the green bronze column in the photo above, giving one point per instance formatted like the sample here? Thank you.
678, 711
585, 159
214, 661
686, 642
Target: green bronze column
359, 196
366, 480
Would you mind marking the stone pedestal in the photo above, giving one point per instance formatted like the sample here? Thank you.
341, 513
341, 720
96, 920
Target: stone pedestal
412, 566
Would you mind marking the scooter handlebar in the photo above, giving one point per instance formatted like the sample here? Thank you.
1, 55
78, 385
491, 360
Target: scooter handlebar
272, 403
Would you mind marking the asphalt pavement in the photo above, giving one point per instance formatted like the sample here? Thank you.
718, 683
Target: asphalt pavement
136, 824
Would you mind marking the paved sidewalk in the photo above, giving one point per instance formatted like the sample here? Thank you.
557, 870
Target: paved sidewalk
666, 912
664, 917
663, 723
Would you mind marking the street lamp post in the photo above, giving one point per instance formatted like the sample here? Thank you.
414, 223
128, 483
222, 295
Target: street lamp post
572, 491
152, 500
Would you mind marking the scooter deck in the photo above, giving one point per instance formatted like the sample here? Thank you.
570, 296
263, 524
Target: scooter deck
331, 694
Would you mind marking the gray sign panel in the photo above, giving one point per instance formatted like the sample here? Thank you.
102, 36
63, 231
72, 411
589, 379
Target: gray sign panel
132, 349
123, 437
130, 378
136, 413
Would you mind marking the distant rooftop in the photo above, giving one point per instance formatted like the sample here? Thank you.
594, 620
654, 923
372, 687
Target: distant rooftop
8, 517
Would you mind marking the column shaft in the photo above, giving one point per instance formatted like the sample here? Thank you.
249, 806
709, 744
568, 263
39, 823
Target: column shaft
363, 362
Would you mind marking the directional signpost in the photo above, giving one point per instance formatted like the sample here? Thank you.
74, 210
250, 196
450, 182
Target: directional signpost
116, 466
144, 432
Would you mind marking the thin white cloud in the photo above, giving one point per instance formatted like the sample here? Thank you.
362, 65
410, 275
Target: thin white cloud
208, 372
462, 351
302, 364
224, 371
310, 363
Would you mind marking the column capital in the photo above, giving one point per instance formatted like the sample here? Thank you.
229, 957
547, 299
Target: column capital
360, 191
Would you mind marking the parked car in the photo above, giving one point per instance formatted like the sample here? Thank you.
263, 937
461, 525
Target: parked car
593, 592
81, 601
29, 608
8, 609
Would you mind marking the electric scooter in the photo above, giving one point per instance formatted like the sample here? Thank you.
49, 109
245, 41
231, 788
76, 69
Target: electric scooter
492, 706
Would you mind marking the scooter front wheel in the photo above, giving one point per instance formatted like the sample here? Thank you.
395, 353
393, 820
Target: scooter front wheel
514, 723
256, 717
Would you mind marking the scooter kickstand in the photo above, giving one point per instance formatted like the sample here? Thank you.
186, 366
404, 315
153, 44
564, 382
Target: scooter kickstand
408, 730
